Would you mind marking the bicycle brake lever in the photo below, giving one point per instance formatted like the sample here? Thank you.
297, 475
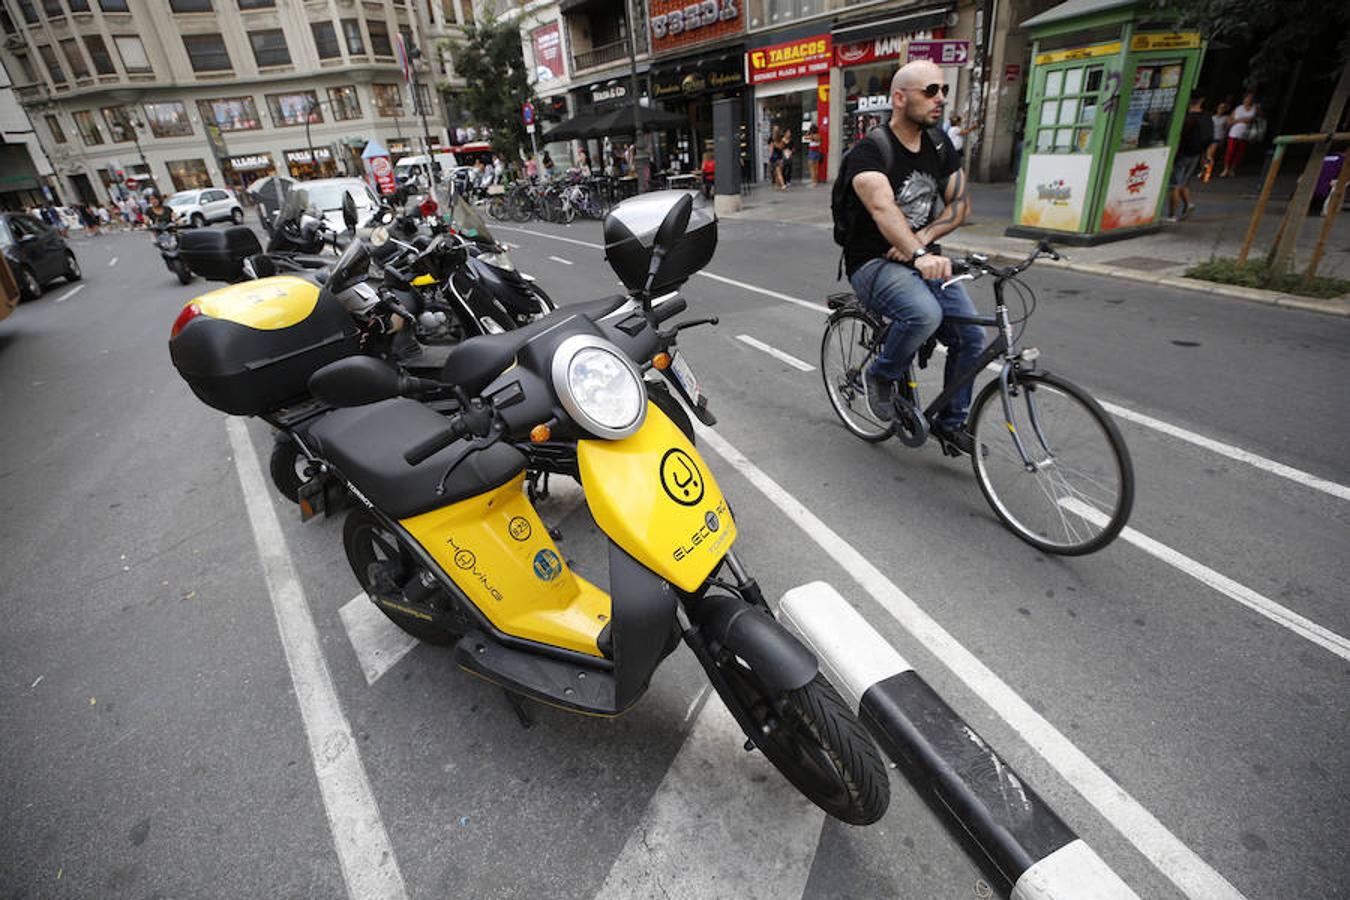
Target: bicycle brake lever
966, 277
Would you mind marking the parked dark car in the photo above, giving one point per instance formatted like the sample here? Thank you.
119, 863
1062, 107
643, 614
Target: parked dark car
36, 253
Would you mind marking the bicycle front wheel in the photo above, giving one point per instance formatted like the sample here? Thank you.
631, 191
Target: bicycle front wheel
845, 353
1072, 492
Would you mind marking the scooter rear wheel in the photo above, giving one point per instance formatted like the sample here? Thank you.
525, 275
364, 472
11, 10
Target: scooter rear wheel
370, 545
812, 737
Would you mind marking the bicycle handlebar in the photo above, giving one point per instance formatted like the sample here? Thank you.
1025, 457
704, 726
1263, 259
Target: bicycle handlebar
977, 264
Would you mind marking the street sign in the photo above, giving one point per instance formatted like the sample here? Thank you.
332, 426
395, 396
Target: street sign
527, 113
944, 53
132, 184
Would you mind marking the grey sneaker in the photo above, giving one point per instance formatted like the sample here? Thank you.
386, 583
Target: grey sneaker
880, 394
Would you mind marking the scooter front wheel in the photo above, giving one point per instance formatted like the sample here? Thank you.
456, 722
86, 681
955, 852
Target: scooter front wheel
812, 737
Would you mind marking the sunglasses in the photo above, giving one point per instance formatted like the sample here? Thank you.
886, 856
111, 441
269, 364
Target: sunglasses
931, 90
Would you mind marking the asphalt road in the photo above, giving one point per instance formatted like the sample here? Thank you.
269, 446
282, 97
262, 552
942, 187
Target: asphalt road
150, 710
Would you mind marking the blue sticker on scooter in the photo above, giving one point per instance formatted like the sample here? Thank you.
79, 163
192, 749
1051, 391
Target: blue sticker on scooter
547, 566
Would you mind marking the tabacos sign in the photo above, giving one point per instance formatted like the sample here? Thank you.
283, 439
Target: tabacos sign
794, 59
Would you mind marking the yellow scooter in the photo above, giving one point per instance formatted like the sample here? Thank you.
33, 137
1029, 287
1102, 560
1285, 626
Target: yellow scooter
446, 541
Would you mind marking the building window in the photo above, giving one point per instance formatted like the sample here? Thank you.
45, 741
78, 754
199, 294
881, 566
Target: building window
207, 52
30, 14
113, 5
230, 113
120, 128
74, 58
168, 119
291, 109
98, 52
379, 37
53, 8
132, 52
1068, 109
190, 6
78, 5
344, 102
54, 126
352, 29
256, 4
269, 47
466, 12
26, 68
89, 133
49, 58
325, 40
388, 99
188, 174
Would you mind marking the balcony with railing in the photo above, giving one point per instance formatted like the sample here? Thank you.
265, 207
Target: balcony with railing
604, 54
36, 92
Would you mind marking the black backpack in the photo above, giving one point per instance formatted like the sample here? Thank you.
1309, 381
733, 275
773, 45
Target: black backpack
845, 206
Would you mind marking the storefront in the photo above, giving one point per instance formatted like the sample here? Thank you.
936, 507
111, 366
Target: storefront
868, 64
792, 96
187, 174
241, 171
303, 166
689, 87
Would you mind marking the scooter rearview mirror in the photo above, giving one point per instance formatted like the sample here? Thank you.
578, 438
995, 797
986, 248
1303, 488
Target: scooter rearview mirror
673, 225
348, 211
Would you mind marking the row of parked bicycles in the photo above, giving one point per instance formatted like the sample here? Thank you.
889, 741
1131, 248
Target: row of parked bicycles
561, 199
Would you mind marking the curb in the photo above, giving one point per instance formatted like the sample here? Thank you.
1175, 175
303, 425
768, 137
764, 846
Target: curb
1336, 306
955, 769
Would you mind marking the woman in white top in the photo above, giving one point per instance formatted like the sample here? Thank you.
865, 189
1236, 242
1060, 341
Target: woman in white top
1238, 132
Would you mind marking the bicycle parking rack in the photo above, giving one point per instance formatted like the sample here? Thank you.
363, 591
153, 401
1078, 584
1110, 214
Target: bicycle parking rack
949, 764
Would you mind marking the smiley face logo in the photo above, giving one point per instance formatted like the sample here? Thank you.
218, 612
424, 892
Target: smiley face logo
681, 478
519, 528
465, 559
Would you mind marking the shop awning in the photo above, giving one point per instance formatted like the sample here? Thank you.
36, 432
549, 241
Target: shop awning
576, 128
1072, 9
620, 121
915, 21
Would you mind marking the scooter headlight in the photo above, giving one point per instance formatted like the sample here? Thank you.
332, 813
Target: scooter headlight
599, 386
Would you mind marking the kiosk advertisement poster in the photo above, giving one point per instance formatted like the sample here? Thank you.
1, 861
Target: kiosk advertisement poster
1055, 190
1138, 178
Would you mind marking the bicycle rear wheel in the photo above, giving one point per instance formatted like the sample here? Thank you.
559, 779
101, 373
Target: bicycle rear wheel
845, 353
1076, 494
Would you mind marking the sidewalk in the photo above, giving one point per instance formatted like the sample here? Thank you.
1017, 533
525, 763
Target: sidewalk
1216, 228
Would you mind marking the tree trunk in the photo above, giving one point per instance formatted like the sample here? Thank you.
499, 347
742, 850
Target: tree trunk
1282, 258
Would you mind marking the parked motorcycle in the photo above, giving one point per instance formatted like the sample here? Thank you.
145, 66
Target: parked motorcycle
446, 541
166, 239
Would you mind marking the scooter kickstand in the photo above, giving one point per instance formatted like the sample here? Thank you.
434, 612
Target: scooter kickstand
523, 714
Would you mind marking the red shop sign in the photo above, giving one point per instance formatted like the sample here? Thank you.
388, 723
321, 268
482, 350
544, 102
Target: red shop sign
877, 50
794, 59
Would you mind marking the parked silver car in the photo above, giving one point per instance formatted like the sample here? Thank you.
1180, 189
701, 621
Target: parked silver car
207, 205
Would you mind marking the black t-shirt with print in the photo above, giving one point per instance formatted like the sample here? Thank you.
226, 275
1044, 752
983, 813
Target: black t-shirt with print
918, 179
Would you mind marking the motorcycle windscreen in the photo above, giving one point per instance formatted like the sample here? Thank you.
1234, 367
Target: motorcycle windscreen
653, 495
500, 554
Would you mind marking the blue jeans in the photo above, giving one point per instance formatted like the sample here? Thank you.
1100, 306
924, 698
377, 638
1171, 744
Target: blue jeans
915, 307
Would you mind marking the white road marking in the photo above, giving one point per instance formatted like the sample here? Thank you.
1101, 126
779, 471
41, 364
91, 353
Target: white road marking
1304, 628
70, 293
367, 858
544, 234
559, 259
113, 261
806, 304
776, 353
703, 833
1340, 491
1178, 862
378, 642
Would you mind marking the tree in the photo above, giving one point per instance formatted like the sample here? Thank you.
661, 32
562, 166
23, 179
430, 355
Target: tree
1285, 31
491, 60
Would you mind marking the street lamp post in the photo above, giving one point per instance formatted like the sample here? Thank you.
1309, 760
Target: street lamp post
640, 149
136, 126
414, 54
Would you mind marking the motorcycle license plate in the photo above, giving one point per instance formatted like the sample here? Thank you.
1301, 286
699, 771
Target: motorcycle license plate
685, 376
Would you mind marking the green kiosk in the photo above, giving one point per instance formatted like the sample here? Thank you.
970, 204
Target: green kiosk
1109, 86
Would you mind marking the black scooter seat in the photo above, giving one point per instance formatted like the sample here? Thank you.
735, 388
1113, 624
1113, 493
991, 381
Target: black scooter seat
473, 363
366, 444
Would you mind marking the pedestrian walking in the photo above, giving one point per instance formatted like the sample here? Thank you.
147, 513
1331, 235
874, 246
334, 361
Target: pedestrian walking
548, 166
709, 175
814, 156
776, 157
1239, 134
531, 167
1220, 121
956, 131
787, 159
1196, 133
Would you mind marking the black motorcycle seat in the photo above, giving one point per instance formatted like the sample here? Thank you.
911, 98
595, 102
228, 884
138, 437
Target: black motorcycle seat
366, 444
473, 363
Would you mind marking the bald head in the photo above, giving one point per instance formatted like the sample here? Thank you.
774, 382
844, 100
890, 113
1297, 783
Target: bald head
909, 105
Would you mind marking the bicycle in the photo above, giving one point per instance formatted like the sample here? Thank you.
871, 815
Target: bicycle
1049, 460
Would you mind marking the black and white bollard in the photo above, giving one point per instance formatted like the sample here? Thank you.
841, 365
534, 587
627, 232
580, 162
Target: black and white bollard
945, 758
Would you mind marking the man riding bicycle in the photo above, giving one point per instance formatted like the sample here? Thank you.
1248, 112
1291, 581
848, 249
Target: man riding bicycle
913, 192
